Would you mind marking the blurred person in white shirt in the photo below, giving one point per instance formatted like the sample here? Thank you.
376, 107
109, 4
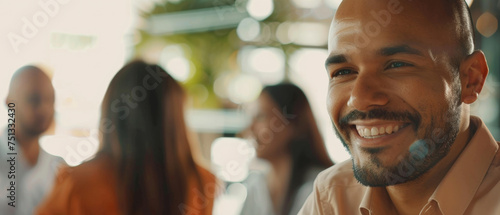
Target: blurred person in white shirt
25, 169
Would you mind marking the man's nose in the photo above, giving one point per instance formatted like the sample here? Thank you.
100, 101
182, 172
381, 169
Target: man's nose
368, 92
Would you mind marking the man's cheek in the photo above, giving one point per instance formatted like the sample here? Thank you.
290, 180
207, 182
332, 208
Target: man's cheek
329, 104
50, 115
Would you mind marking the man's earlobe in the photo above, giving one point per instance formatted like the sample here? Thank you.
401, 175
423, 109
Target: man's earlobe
473, 72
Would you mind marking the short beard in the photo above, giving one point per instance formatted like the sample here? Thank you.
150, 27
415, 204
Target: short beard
423, 154
34, 131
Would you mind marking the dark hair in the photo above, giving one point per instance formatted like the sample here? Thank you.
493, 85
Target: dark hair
148, 140
307, 147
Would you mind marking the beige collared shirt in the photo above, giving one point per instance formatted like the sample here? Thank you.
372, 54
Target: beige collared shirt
471, 186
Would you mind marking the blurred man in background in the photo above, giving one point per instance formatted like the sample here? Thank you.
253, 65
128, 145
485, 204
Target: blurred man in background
26, 169
402, 77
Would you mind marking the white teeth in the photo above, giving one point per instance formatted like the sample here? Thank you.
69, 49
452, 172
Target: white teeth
388, 129
373, 132
366, 132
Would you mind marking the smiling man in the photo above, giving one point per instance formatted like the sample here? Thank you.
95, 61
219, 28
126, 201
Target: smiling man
402, 75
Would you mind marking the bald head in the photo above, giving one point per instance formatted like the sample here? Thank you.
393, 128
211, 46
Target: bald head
25, 76
33, 94
446, 25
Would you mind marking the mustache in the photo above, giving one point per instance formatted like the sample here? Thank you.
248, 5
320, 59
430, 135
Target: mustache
381, 114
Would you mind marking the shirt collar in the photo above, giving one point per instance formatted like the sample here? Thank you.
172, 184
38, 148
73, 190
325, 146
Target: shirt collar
466, 173
376, 201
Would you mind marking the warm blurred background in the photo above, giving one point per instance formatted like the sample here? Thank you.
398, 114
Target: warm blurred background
222, 51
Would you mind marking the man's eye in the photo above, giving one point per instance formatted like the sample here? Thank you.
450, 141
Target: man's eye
342, 72
398, 64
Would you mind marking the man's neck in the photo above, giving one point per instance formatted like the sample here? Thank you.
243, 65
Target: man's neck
411, 197
29, 146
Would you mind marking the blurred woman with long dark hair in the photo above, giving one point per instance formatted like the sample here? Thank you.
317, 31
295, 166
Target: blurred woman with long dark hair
145, 164
287, 136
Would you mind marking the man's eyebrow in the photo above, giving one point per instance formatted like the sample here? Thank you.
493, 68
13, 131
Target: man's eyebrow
335, 59
399, 49
387, 51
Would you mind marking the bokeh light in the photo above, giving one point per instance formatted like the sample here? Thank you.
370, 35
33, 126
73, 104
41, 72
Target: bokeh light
231, 157
282, 33
487, 24
265, 63
308, 72
173, 58
248, 29
221, 84
306, 3
267, 60
260, 9
244, 88
74, 150
308, 33
178, 67
232, 201
308, 60
334, 4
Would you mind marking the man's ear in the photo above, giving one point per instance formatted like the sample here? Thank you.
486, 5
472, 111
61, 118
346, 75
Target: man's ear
473, 72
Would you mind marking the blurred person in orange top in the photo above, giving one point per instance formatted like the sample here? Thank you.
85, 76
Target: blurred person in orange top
145, 164
287, 136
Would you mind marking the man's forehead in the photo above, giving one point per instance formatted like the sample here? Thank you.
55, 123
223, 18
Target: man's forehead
350, 39
361, 28
31, 84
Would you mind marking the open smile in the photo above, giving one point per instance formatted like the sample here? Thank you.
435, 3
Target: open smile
377, 133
